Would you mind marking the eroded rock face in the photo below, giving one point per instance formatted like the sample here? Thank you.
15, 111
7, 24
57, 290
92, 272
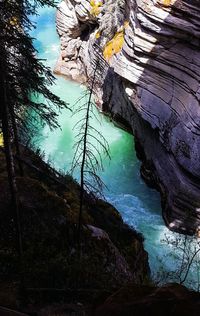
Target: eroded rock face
153, 85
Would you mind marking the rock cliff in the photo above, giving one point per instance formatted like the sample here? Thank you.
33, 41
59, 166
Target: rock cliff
150, 83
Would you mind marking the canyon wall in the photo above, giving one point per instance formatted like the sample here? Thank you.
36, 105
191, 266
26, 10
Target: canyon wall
150, 83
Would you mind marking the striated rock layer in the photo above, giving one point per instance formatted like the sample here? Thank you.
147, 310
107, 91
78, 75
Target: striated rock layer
151, 85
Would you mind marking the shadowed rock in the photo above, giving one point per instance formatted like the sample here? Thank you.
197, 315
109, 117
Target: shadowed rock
152, 86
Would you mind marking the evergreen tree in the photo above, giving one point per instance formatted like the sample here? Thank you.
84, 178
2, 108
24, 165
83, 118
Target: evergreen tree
22, 76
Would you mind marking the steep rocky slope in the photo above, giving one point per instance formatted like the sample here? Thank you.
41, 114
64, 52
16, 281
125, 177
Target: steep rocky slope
151, 84
112, 253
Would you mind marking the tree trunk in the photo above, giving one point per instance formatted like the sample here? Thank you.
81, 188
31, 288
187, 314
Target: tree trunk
10, 163
16, 140
84, 157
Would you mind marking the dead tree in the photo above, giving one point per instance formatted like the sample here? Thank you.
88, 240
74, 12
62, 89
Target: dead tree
91, 146
187, 250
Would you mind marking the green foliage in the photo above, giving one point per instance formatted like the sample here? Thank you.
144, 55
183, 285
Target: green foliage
24, 74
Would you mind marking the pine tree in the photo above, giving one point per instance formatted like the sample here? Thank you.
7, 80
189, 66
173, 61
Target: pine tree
22, 76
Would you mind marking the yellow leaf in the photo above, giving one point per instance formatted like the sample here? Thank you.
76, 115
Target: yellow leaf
97, 35
95, 7
114, 46
1, 140
166, 2
14, 21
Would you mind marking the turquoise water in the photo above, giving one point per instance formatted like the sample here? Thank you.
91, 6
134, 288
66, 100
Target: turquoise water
139, 205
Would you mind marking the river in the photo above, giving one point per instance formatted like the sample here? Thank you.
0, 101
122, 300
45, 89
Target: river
138, 204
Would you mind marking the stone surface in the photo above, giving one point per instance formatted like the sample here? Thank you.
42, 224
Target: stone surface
112, 253
172, 299
9, 312
153, 86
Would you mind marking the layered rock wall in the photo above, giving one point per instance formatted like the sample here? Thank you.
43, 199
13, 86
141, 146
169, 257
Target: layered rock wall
152, 84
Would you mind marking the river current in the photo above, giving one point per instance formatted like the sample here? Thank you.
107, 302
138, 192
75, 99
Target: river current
138, 204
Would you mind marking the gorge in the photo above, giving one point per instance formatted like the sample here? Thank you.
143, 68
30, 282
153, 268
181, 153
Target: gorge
151, 85
127, 79
138, 205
